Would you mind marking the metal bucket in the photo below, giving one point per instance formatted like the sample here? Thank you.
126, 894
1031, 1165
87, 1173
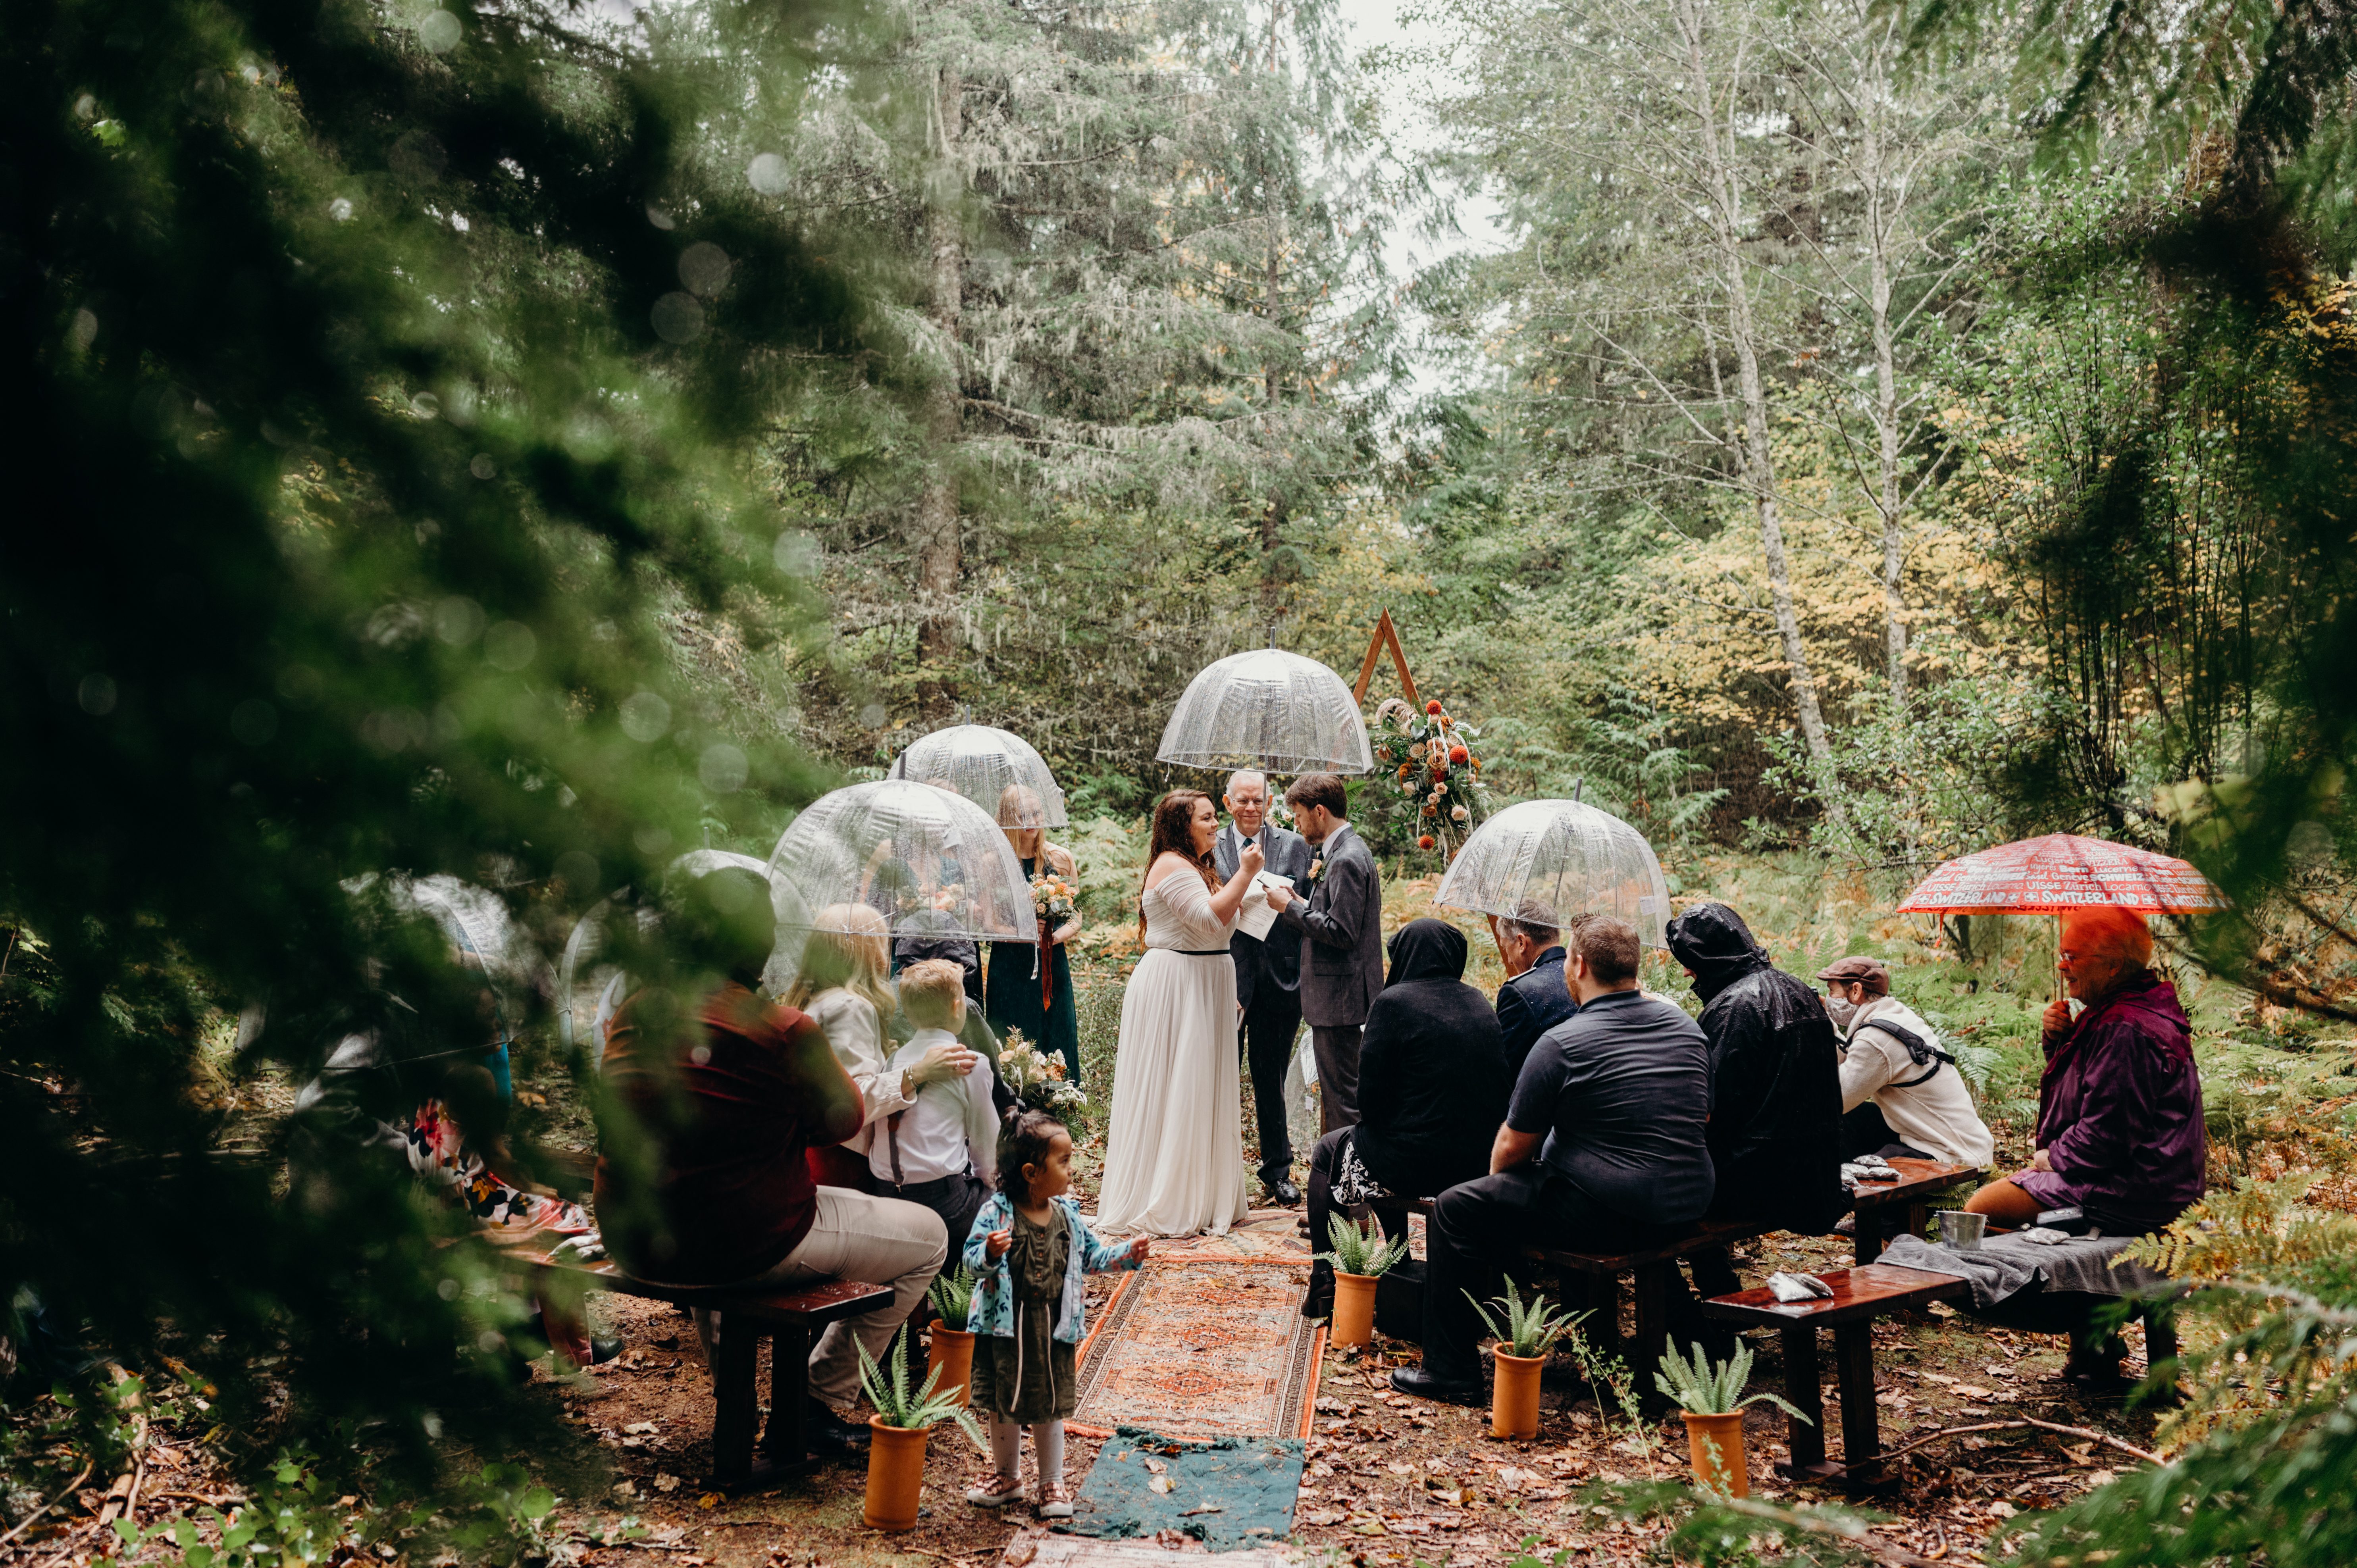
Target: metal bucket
1962, 1230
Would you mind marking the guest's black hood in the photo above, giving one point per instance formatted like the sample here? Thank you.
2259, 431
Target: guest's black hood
1427, 950
1716, 947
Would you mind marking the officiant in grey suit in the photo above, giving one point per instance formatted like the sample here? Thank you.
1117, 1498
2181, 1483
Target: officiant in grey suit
1342, 921
1268, 974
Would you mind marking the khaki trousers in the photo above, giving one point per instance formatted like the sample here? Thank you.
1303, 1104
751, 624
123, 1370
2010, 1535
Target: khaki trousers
876, 1240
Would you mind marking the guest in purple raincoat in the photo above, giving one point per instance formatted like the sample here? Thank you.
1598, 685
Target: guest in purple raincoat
2119, 1106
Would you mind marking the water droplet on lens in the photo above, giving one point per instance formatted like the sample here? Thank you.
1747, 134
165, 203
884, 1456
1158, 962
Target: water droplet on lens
723, 767
483, 468
579, 870
341, 210
425, 405
658, 218
768, 173
96, 694
418, 157
457, 620
646, 717
703, 268
652, 840
83, 330
872, 716
510, 645
678, 318
439, 31
254, 721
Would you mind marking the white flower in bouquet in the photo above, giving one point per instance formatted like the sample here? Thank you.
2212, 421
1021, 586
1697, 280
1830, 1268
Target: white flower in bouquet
1408, 787
1457, 813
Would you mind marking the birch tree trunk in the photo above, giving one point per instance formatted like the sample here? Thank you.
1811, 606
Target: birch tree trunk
1875, 157
1757, 458
939, 546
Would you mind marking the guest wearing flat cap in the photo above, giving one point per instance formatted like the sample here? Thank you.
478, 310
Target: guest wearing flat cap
1902, 1094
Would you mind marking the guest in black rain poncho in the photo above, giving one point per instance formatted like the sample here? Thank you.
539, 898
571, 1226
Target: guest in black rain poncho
1432, 1090
1775, 1063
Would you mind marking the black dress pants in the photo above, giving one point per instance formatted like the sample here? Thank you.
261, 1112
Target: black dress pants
1266, 1041
1864, 1132
1476, 1232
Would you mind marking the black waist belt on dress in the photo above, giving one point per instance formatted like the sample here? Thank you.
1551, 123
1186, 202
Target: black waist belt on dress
1196, 953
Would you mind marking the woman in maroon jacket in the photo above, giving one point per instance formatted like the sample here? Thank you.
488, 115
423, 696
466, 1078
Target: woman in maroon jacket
702, 1177
2119, 1106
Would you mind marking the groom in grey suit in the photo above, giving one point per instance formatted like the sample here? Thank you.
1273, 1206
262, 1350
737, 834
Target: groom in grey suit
1342, 919
1268, 975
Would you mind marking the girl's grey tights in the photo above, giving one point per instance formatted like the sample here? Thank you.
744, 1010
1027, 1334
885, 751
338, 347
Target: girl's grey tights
1047, 1441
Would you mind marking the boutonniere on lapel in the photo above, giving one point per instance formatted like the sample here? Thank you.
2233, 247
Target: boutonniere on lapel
1317, 869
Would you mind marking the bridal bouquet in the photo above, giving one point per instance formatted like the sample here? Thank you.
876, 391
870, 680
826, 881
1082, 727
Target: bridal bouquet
1054, 898
1036, 1078
1439, 776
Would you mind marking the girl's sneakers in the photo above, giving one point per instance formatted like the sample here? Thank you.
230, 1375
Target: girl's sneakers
995, 1491
1055, 1502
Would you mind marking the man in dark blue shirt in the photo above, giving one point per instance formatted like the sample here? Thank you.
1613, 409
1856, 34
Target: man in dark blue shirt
1602, 1149
1536, 995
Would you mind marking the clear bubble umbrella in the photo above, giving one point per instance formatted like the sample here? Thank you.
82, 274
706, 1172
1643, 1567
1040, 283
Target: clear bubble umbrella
479, 927
1568, 856
995, 769
1267, 709
589, 987
899, 847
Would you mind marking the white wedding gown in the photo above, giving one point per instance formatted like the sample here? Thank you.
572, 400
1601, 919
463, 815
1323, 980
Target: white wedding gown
1174, 1154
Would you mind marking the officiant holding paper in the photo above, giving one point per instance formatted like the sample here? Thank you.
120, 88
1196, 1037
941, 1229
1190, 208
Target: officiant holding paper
1268, 973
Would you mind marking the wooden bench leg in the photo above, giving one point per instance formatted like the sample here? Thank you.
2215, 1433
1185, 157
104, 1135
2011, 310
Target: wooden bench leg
784, 1442
1861, 1428
736, 1361
1803, 1387
1919, 1219
1601, 1295
1652, 1339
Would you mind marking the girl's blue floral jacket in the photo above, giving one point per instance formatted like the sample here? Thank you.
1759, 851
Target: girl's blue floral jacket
993, 1292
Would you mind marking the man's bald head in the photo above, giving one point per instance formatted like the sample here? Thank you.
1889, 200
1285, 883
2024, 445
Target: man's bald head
1247, 798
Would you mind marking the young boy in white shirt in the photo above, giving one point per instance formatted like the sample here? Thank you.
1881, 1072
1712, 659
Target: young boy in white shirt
942, 1151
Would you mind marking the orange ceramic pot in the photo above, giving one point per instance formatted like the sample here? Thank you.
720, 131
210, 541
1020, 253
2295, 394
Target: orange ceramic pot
1514, 1399
1715, 1445
1355, 1310
896, 1474
951, 1354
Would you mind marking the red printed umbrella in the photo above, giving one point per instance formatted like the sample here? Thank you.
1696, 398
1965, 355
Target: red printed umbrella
2059, 873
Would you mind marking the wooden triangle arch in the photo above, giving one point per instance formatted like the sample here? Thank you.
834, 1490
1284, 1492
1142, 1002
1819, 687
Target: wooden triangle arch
1385, 637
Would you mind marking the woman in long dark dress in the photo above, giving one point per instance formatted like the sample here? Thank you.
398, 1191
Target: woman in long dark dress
1012, 987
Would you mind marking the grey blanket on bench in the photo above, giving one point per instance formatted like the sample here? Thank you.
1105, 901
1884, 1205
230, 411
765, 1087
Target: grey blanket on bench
2007, 1265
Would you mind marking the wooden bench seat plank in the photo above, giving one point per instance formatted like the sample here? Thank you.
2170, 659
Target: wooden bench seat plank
1876, 1207
1867, 1291
1701, 1239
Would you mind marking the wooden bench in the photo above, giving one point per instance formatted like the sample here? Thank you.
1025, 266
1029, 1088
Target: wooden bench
1881, 1208
1860, 1295
789, 1317
1592, 1280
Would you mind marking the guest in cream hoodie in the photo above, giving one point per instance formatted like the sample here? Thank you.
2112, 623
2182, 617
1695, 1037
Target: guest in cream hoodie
1902, 1094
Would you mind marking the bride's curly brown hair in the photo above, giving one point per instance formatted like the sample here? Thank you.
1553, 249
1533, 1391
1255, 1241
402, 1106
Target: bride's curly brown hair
1174, 834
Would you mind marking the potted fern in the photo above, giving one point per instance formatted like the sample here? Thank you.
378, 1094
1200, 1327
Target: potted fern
949, 1351
1524, 1336
1709, 1397
896, 1448
1360, 1257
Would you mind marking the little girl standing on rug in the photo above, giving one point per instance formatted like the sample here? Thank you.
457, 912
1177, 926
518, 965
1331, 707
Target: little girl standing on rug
1029, 1249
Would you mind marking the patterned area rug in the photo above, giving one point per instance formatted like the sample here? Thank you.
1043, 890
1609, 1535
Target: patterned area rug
1207, 1341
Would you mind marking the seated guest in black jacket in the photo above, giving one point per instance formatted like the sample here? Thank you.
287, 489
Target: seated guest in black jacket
1536, 996
1602, 1149
1431, 1089
1775, 1064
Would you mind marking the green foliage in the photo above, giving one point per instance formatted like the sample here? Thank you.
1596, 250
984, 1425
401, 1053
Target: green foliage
952, 1294
1355, 1251
1714, 1388
1527, 1328
918, 1410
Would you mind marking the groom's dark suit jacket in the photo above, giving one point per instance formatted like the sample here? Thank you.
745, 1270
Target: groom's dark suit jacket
1277, 961
1343, 924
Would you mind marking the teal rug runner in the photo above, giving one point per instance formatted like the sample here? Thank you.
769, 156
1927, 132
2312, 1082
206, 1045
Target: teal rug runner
1230, 1493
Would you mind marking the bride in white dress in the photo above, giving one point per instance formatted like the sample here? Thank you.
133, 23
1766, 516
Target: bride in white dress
1174, 1154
